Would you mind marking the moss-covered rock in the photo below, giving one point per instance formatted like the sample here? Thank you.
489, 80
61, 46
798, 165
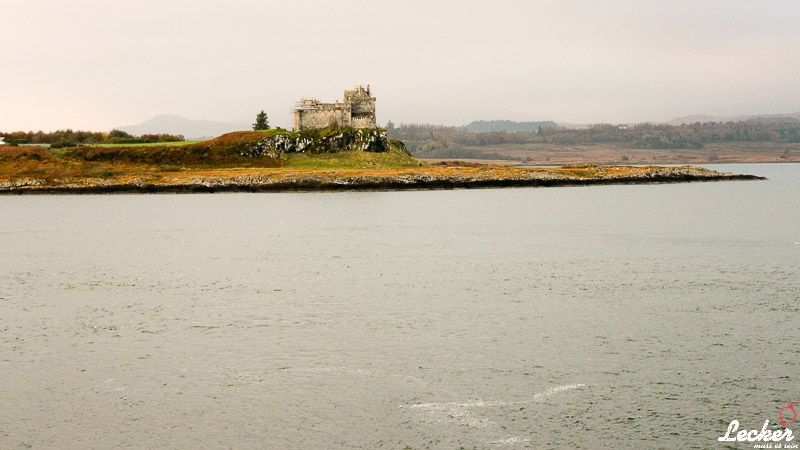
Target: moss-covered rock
326, 140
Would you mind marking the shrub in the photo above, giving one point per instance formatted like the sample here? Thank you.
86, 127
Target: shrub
64, 144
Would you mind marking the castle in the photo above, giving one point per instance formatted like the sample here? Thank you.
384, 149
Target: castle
356, 111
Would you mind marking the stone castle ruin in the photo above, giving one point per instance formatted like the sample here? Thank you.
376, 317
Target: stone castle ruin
356, 111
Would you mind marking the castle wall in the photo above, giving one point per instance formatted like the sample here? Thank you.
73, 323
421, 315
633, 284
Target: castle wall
357, 111
363, 122
324, 115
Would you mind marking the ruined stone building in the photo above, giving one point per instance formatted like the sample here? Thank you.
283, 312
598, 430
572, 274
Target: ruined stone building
356, 111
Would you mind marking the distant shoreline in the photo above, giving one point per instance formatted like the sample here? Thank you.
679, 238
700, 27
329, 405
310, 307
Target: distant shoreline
446, 178
522, 164
530, 155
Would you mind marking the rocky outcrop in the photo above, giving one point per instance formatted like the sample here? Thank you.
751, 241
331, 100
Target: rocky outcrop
323, 141
457, 179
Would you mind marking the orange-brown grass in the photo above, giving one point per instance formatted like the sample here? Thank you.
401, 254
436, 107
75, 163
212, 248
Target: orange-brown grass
50, 168
22, 154
486, 172
223, 151
27, 161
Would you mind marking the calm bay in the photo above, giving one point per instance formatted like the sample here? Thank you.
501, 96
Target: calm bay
645, 316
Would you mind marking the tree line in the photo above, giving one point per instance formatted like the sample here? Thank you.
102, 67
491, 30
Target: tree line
70, 138
688, 136
426, 138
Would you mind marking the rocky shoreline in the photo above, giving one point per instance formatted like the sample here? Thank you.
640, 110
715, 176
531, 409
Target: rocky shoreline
352, 180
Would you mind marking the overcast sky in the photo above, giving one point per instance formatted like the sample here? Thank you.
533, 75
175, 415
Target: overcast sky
96, 64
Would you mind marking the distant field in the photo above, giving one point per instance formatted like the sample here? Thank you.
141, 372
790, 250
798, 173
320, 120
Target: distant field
716, 153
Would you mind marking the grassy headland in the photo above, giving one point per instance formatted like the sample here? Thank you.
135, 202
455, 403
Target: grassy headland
276, 160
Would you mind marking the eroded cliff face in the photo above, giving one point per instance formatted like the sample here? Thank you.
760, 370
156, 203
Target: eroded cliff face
324, 141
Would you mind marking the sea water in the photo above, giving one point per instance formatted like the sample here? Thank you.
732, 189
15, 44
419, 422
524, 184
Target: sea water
646, 316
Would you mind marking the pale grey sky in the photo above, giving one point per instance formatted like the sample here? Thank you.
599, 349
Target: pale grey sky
96, 64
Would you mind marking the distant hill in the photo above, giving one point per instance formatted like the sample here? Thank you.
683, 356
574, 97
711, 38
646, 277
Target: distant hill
190, 129
487, 126
788, 118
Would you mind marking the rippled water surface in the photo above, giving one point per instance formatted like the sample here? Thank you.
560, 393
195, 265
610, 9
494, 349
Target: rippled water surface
598, 317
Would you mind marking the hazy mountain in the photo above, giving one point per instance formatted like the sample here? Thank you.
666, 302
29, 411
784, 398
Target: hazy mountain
190, 129
760, 117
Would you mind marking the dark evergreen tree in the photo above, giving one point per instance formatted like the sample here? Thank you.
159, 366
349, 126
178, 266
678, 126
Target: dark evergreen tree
262, 123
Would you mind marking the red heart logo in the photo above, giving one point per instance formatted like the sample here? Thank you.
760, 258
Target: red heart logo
784, 422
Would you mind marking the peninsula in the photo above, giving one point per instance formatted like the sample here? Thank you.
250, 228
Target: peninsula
303, 160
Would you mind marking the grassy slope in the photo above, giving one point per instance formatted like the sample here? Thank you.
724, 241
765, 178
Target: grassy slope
154, 161
152, 144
